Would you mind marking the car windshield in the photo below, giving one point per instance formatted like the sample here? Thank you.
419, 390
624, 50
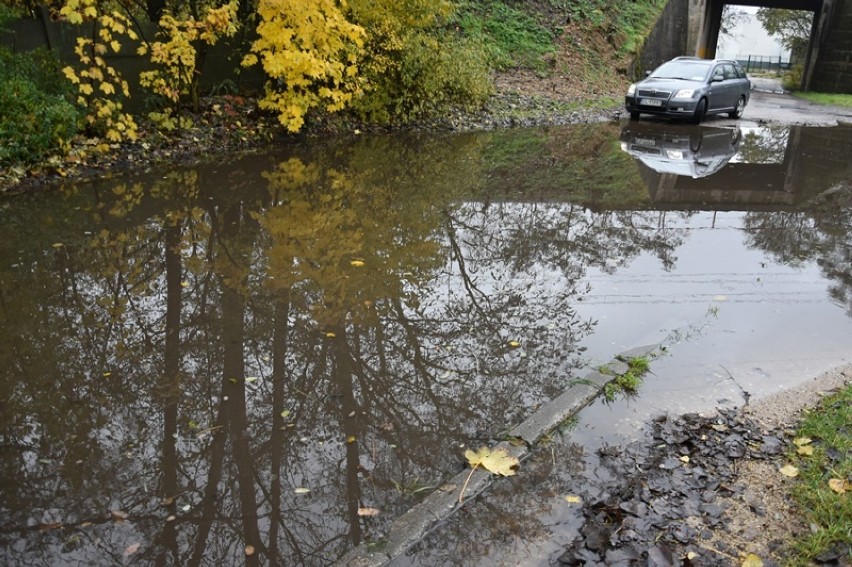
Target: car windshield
687, 70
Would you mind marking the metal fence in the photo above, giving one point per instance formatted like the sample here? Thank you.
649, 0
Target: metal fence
763, 63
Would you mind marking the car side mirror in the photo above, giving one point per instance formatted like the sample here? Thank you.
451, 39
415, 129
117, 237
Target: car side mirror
647, 73
717, 78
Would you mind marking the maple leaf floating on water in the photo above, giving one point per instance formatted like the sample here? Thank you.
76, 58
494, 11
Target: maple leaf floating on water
496, 462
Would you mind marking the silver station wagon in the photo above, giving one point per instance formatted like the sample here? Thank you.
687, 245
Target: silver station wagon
691, 88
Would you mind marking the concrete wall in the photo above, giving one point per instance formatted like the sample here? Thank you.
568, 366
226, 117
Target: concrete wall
668, 39
833, 69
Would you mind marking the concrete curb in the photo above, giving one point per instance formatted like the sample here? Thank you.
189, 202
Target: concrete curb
419, 520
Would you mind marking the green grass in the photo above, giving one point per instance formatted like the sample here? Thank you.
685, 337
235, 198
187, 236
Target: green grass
510, 37
525, 36
833, 99
629, 382
828, 513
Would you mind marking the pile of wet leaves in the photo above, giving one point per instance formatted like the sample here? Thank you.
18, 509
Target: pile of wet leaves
663, 499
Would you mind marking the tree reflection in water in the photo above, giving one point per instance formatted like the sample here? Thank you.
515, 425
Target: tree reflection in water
191, 352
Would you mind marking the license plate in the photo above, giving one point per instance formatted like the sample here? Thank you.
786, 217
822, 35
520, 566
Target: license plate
650, 102
644, 142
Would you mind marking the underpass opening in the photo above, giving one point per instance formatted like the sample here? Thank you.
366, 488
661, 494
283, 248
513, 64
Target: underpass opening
822, 21
765, 40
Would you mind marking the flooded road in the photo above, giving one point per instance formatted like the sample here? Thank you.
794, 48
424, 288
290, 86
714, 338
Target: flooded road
267, 359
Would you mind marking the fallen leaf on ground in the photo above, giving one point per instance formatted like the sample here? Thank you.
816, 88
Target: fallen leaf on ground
131, 549
514, 344
573, 499
805, 450
801, 441
357, 263
119, 515
368, 511
497, 462
789, 470
752, 560
302, 490
685, 458
839, 485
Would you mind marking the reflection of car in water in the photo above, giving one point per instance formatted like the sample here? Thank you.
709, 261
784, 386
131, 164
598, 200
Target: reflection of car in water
694, 151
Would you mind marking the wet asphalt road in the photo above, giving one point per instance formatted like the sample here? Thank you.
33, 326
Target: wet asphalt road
771, 104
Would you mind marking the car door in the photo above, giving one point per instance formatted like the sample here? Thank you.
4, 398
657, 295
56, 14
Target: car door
716, 96
731, 83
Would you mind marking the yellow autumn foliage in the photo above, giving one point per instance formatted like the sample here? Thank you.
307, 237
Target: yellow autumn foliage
310, 52
175, 54
99, 84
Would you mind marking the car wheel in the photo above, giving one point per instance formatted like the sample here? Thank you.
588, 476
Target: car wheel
634, 116
739, 109
700, 110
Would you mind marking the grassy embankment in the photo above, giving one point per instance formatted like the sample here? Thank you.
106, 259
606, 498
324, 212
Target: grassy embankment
832, 99
824, 482
571, 53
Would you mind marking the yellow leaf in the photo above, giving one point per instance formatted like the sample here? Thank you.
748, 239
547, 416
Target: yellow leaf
351, 439
684, 459
86, 89
357, 263
573, 499
330, 335
71, 75
840, 485
115, 46
90, 12
752, 560
496, 462
789, 471
806, 450
800, 441
514, 344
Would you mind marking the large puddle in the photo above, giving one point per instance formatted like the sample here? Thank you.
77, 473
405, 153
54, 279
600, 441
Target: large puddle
245, 361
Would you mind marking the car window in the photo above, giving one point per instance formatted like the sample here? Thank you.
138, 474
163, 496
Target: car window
718, 73
729, 71
688, 70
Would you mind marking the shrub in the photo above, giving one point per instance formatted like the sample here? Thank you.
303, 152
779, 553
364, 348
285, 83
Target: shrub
33, 123
432, 74
792, 79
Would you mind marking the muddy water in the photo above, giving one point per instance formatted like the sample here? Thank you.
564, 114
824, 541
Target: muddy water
245, 361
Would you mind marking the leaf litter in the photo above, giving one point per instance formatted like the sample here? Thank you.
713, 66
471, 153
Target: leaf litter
663, 503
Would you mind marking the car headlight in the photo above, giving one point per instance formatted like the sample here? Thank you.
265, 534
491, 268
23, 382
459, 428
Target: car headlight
684, 93
631, 89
